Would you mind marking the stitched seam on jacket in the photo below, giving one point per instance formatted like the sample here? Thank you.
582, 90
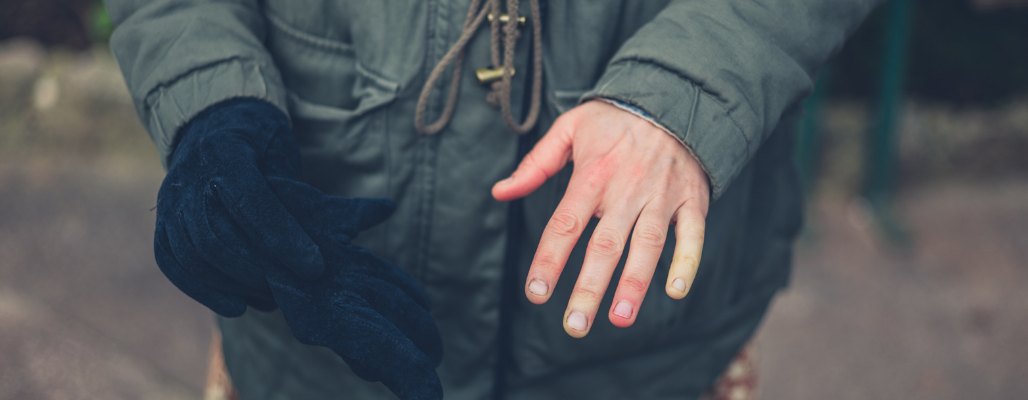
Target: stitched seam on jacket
192, 71
377, 79
704, 93
621, 102
307, 37
692, 115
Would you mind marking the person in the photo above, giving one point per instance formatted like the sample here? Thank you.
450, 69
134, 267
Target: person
603, 208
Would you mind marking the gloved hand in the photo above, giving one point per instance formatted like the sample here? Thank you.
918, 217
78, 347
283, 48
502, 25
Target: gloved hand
364, 308
235, 228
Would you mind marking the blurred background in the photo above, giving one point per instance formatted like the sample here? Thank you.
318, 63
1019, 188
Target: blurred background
909, 278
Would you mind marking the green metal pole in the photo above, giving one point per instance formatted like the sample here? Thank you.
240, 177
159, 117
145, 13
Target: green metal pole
880, 165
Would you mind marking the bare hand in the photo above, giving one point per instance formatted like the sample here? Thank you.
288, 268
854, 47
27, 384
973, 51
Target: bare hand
629, 173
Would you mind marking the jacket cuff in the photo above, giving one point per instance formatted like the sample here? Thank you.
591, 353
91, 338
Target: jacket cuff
167, 108
690, 114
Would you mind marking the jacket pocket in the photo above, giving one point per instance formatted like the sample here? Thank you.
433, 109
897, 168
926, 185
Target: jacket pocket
344, 149
368, 92
337, 108
317, 69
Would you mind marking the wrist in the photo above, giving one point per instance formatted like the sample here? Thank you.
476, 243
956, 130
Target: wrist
254, 121
639, 112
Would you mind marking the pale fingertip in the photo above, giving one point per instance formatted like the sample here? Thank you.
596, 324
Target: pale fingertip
577, 323
503, 182
538, 287
502, 189
498, 191
623, 309
677, 288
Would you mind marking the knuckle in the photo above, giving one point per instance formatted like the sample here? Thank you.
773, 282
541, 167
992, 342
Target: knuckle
547, 263
569, 120
588, 294
565, 223
689, 261
634, 284
530, 161
606, 242
691, 229
650, 236
596, 176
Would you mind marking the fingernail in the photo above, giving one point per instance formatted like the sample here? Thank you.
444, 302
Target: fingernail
623, 309
679, 284
576, 321
537, 287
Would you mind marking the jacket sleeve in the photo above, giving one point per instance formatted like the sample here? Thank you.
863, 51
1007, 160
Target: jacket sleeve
180, 56
719, 74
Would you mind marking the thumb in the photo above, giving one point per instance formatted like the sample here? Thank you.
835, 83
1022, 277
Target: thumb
373, 211
312, 207
547, 158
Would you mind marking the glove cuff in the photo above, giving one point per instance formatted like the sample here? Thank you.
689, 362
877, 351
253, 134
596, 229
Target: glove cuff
261, 124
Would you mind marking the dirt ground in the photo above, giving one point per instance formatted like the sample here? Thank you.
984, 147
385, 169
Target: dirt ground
944, 320
85, 312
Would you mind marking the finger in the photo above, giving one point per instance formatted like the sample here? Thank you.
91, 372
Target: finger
647, 243
373, 347
689, 230
402, 311
222, 243
547, 158
183, 247
558, 239
382, 353
221, 303
312, 207
601, 258
364, 263
266, 221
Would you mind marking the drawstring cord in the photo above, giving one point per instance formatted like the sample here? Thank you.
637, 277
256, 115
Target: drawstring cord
501, 90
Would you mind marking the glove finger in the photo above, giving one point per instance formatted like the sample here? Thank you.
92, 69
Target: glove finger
374, 348
389, 355
364, 262
425, 385
192, 262
224, 304
261, 304
225, 245
401, 311
266, 221
313, 207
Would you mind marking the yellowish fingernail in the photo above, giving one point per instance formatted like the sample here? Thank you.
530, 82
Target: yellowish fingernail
577, 321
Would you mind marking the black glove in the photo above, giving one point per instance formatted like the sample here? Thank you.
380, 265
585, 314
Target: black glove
235, 228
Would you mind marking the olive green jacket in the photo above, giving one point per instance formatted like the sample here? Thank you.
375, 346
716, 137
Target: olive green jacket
724, 76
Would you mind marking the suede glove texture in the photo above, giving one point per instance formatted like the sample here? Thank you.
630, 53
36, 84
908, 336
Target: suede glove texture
236, 228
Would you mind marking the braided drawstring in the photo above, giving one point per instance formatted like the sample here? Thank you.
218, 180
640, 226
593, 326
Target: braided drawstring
501, 90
